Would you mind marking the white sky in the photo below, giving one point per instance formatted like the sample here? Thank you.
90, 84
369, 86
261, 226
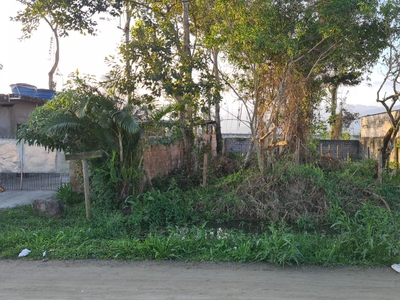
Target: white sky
29, 61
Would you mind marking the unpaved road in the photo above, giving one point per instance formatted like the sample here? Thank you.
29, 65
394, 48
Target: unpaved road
92, 279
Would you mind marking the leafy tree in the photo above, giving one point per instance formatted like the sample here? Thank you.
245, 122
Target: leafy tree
358, 44
82, 118
205, 17
280, 52
61, 16
165, 64
391, 63
85, 118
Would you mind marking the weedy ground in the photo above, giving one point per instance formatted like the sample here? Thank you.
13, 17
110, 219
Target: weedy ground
325, 213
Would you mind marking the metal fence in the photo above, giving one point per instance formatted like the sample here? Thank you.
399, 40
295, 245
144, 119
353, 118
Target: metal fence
24, 167
33, 181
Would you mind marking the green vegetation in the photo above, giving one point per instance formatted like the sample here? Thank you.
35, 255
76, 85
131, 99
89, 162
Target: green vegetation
285, 206
326, 213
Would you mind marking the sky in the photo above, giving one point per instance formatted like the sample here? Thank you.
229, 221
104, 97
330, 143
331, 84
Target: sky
29, 61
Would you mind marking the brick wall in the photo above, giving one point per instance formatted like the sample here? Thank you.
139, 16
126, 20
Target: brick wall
161, 159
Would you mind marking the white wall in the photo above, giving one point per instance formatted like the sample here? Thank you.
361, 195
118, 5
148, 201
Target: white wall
17, 158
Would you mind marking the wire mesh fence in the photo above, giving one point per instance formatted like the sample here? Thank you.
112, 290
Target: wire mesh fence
33, 181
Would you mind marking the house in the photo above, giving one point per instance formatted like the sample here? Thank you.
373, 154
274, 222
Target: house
15, 110
373, 129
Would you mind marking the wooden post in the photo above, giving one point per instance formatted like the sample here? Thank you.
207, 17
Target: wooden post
85, 170
298, 152
380, 167
348, 153
205, 166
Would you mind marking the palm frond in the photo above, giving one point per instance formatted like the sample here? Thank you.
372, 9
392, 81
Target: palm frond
64, 123
126, 120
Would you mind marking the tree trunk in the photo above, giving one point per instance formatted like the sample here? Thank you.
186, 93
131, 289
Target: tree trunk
126, 30
388, 144
336, 126
218, 132
187, 114
51, 83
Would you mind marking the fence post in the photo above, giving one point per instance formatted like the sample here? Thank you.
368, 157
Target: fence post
22, 166
380, 167
348, 152
298, 151
85, 170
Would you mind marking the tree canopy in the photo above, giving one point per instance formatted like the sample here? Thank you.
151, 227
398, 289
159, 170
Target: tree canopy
280, 55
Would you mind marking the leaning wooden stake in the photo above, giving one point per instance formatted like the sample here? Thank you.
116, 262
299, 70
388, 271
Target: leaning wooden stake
205, 167
85, 169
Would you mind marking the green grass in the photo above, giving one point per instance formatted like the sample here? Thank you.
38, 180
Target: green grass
338, 216
369, 237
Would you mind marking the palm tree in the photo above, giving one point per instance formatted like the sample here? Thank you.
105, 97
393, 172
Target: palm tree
94, 121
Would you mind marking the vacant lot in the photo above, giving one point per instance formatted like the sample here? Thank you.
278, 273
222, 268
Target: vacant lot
93, 279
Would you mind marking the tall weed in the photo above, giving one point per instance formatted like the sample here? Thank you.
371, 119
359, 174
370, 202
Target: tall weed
156, 209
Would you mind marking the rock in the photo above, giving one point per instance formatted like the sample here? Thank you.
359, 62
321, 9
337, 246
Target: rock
48, 207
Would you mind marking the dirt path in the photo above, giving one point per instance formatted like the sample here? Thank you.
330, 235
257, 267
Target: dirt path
92, 279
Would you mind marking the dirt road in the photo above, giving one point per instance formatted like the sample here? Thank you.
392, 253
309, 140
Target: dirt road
92, 279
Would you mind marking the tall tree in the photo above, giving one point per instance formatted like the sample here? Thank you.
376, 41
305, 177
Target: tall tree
61, 16
280, 51
205, 17
167, 64
359, 34
391, 64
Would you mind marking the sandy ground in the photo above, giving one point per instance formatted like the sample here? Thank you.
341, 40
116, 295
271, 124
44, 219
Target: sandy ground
92, 279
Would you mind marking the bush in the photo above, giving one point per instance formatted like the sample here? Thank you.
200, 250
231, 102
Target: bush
68, 196
158, 209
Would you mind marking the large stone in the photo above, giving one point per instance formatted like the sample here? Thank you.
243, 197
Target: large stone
48, 207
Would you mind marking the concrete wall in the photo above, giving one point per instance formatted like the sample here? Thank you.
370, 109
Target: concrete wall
11, 116
20, 113
375, 125
17, 158
342, 149
373, 128
236, 145
371, 147
5, 126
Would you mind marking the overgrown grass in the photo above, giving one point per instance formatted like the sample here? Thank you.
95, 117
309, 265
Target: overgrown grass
369, 237
313, 214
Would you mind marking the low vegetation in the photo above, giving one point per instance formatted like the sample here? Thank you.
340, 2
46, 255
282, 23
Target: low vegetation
325, 213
